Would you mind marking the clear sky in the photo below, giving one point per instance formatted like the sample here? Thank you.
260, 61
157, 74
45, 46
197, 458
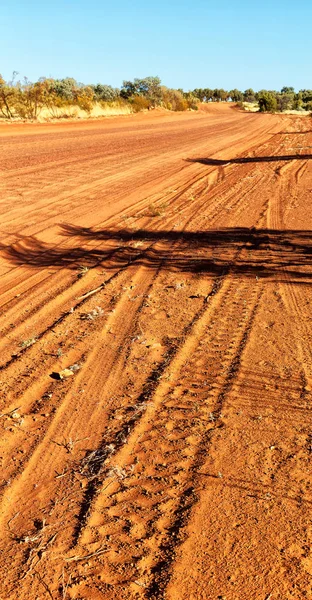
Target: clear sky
187, 43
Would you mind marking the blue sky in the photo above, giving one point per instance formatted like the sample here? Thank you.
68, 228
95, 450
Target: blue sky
188, 44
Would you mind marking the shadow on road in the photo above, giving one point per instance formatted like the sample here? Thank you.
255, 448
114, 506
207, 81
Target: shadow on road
249, 159
250, 252
296, 132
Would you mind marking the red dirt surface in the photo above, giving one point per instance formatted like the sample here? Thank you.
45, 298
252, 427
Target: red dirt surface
167, 260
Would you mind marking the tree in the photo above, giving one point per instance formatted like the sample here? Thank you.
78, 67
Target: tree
284, 101
297, 101
208, 94
200, 94
287, 90
249, 95
105, 92
149, 87
66, 88
267, 102
219, 95
306, 96
236, 95
128, 89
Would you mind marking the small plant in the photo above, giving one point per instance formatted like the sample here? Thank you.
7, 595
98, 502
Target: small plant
69, 444
117, 472
137, 244
82, 271
93, 314
27, 343
154, 211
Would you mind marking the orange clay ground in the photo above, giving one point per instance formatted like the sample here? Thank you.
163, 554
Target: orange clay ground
167, 259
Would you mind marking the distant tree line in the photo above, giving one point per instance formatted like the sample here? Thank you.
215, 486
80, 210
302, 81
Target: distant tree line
268, 100
26, 99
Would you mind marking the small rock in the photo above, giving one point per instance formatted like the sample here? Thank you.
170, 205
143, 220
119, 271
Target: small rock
152, 343
62, 374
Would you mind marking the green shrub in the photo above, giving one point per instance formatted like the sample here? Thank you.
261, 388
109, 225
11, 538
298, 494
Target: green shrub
267, 102
149, 88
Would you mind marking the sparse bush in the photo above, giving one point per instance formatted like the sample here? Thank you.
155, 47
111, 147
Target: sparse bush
139, 103
192, 100
7, 98
173, 99
85, 98
30, 98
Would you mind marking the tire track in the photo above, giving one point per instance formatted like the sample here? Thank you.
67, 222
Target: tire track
166, 486
175, 534
42, 463
295, 297
37, 457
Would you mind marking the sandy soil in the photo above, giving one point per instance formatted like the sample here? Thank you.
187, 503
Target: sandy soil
167, 260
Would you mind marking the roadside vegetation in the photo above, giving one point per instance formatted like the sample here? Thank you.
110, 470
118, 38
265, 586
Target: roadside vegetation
64, 97
61, 98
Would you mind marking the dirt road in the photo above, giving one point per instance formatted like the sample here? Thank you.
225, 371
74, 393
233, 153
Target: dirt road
165, 262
